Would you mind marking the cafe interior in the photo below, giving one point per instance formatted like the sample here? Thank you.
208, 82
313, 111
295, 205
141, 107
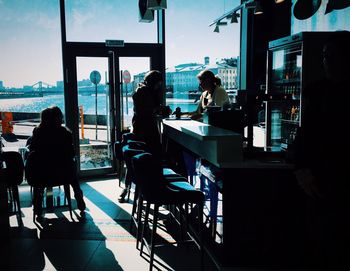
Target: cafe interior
191, 135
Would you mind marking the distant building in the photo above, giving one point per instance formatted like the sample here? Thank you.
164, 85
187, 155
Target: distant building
183, 77
84, 83
60, 85
138, 78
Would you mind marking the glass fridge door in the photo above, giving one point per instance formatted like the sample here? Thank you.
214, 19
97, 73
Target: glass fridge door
284, 122
285, 74
284, 85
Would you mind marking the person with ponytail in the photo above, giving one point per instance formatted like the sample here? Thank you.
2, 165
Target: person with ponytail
213, 94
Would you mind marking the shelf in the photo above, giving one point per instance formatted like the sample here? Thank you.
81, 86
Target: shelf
286, 81
295, 122
283, 96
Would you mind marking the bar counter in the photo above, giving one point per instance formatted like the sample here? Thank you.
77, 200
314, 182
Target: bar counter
262, 205
220, 147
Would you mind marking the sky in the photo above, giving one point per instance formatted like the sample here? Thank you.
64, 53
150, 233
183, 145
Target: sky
30, 44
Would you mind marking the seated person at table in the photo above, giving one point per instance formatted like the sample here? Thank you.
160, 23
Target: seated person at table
213, 94
51, 135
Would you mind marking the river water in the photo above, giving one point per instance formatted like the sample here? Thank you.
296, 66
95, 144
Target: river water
37, 104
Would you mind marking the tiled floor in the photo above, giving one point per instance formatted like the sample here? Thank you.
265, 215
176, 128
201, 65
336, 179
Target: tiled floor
101, 241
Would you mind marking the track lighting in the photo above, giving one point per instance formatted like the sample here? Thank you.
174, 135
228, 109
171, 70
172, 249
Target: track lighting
258, 9
234, 17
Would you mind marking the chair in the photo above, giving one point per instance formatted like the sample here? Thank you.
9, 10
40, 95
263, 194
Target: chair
13, 176
169, 176
118, 152
154, 190
44, 170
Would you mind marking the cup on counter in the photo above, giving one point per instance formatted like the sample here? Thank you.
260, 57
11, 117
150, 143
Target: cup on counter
178, 113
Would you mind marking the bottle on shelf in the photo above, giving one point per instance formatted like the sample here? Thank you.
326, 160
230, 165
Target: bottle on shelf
294, 92
297, 112
292, 113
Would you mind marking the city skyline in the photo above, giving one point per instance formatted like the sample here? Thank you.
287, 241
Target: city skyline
85, 78
30, 34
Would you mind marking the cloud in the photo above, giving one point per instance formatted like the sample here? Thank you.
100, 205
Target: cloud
80, 18
47, 22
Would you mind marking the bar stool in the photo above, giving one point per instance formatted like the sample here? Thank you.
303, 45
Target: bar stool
126, 138
154, 190
129, 151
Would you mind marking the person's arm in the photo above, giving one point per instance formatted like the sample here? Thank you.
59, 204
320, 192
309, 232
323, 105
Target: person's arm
198, 112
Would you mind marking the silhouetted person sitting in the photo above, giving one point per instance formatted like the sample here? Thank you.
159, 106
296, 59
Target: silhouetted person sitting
52, 139
322, 159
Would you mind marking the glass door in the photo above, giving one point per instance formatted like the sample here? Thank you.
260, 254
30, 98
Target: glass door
132, 73
95, 108
101, 82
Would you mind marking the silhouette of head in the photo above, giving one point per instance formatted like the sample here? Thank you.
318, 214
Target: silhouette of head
57, 116
208, 81
154, 81
51, 117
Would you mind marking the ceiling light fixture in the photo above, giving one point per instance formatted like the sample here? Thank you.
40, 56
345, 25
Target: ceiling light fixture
233, 17
217, 29
258, 9
156, 4
250, 4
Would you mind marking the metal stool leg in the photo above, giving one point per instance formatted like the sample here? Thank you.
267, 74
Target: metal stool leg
145, 225
139, 220
134, 207
69, 199
154, 233
214, 198
16, 198
200, 234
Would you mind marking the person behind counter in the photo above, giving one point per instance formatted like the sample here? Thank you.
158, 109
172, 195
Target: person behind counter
213, 94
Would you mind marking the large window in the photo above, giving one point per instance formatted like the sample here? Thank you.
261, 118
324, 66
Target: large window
192, 46
31, 62
96, 21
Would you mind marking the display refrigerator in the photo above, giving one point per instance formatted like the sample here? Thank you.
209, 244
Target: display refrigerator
293, 63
